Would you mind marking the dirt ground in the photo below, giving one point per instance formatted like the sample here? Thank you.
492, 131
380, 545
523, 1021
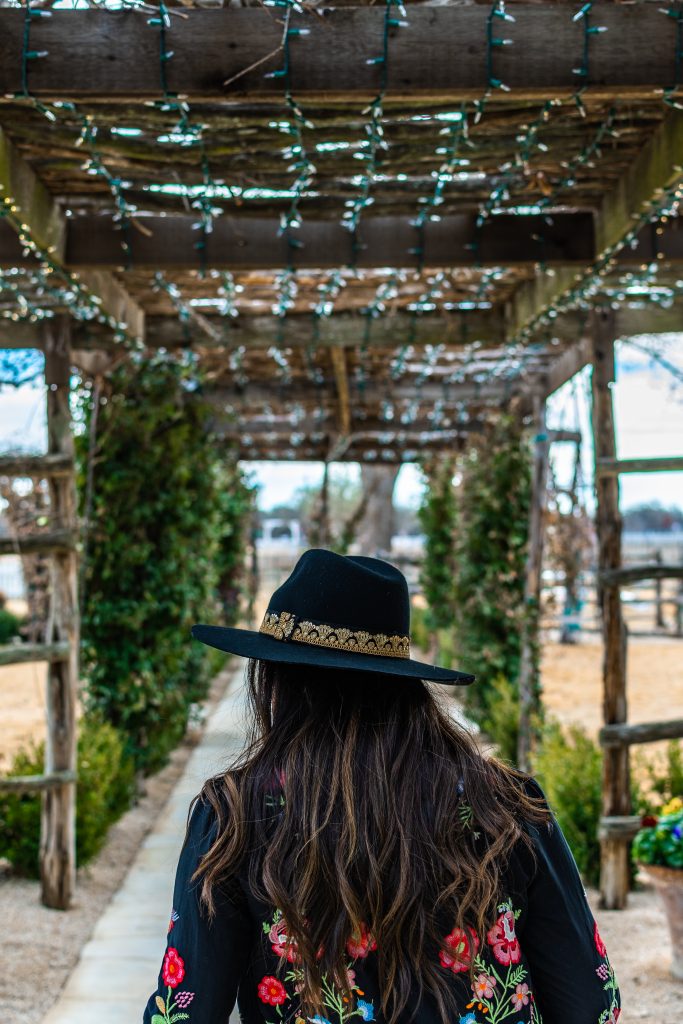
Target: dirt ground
637, 938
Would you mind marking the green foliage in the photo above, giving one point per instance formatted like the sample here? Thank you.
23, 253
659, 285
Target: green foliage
165, 532
9, 626
236, 511
500, 721
568, 765
438, 516
490, 555
105, 789
661, 843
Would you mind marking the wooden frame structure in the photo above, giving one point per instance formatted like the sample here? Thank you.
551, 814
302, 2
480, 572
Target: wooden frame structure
371, 248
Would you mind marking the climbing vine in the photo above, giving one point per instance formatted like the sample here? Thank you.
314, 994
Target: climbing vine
164, 529
495, 495
438, 516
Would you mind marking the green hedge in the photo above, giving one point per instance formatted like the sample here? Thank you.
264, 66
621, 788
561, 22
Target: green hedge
105, 789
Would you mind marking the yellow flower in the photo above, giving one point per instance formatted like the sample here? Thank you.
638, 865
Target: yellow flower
674, 805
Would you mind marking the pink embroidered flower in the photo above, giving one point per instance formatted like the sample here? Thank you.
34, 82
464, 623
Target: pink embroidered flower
599, 944
520, 996
173, 969
461, 945
602, 972
361, 945
183, 999
271, 990
278, 937
502, 937
483, 986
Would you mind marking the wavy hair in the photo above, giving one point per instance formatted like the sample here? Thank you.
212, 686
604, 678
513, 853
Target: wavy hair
360, 804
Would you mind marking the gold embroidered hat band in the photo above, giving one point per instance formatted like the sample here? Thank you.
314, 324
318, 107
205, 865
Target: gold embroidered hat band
335, 611
286, 626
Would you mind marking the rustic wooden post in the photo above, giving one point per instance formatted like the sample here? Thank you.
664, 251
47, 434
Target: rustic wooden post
616, 796
528, 669
659, 614
58, 835
376, 527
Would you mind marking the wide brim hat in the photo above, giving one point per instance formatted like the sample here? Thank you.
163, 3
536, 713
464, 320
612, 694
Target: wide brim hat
335, 611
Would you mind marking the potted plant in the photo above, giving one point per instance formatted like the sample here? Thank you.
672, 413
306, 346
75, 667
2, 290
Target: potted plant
658, 850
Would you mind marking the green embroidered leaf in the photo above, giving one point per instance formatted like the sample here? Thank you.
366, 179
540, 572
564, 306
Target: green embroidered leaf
466, 815
517, 976
178, 1016
517, 914
158, 1019
266, 927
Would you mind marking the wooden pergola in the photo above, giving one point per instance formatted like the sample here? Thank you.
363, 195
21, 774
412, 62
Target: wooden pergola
374, 227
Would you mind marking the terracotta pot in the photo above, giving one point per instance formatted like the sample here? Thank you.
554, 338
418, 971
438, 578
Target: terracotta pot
669, 883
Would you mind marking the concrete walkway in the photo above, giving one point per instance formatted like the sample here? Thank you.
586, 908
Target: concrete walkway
118, 967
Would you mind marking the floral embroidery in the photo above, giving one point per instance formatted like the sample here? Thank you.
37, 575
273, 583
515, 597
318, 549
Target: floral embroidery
520, 997
599, 944
484, 986
502, 937
360, 946
271, 990
605, 973
174, 917
280, 941
173, 970
172, 973
461, 944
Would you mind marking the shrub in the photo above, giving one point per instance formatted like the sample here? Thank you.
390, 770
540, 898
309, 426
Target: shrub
105, 789
500, 721
660, 840
9, 626
568, 765
438, 516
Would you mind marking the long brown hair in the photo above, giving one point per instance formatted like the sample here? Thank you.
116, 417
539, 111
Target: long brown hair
389, 818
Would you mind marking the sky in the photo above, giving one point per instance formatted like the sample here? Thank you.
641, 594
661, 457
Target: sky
648, 402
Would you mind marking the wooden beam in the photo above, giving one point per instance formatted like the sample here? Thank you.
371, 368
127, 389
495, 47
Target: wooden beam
253, 243
247, 242
37, 783
25, 196
613, 467
616, 796
115, 54
309, 393
341, 380
643, 732
49, 542
40, 466
58, 818
529, 685
634, 573
566, 365
657, 166
15, 654
33, 210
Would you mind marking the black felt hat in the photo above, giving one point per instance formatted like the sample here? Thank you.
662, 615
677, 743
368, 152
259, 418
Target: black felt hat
338, 612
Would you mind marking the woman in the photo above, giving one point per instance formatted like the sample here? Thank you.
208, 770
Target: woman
362, 858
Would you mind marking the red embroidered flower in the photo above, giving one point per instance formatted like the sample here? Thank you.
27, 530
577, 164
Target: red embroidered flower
506, 948
360, 946
173, 969
278, 938
599, 944
648, 821
461, 946
271, 990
